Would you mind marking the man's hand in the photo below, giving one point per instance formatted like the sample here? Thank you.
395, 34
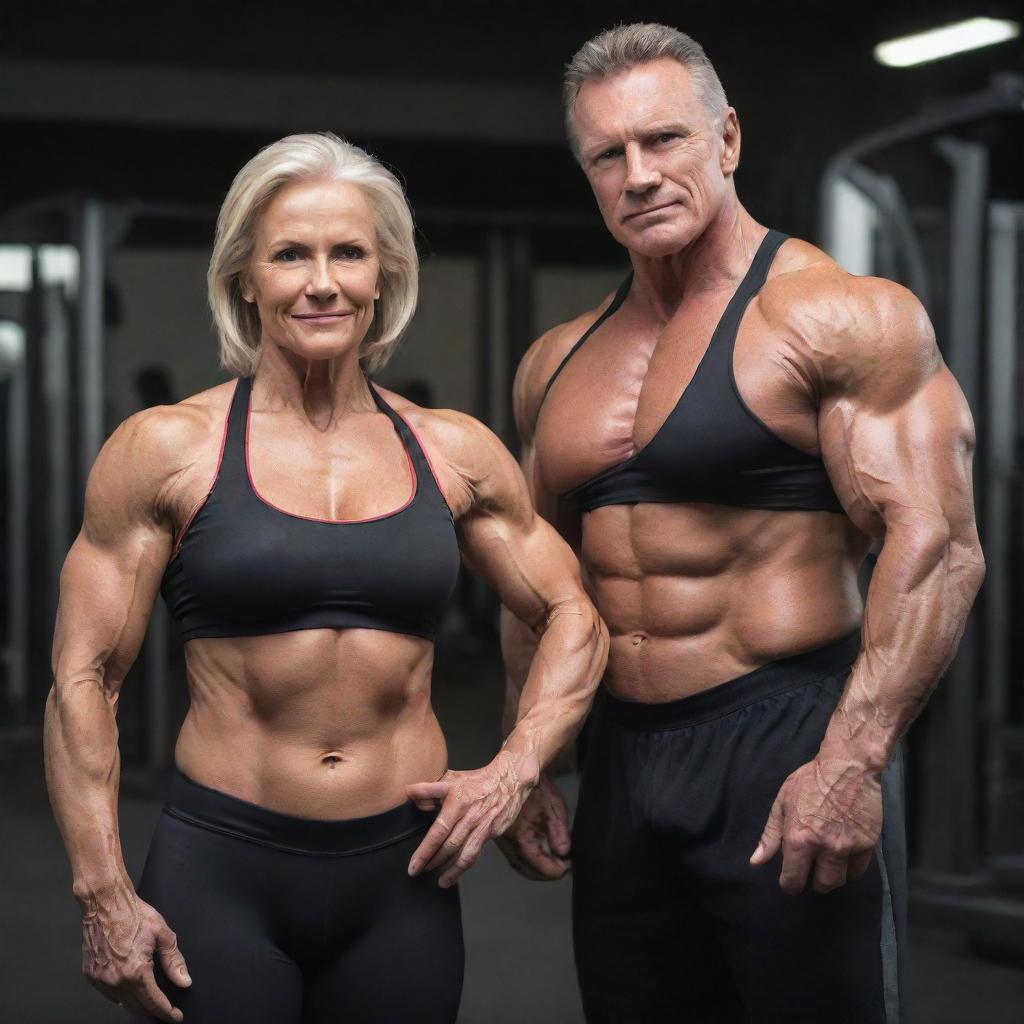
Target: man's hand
537, 842
475, 806
120, 935
827, 816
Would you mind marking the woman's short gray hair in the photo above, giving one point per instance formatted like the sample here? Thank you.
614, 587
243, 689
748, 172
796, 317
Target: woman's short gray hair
310, 157
626, 46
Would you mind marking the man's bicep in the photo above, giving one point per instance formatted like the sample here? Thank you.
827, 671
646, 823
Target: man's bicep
907, 460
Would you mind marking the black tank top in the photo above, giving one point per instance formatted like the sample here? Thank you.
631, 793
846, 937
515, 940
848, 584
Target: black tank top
712, 448
245, 568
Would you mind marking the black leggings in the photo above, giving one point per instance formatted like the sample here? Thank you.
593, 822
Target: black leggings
287, 920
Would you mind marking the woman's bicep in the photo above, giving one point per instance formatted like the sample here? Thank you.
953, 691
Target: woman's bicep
112, 573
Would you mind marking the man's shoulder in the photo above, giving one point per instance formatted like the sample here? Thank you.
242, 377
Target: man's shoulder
835, 315
541, 363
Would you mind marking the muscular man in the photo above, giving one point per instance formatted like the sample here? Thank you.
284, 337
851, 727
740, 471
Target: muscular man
723, 439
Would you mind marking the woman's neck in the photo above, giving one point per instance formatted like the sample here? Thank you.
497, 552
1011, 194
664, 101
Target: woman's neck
321, 391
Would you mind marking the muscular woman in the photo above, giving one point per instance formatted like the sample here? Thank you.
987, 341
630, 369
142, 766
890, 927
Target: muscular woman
305, 528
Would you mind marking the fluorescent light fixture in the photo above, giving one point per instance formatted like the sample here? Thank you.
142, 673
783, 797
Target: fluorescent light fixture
937, 43
15, 268
58, 264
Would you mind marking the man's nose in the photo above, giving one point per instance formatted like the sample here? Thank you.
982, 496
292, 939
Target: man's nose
641, 173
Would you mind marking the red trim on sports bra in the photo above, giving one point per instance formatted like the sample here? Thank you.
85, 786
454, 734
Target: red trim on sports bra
213, 483
315, 519
426, 457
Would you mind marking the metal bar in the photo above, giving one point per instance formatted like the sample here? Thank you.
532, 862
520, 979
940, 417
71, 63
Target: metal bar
963, 350
897, 225
1005, 223
1005, 95
56, 396
497, 263
90, 331
855, 217
484, 343
520, 322
17, 523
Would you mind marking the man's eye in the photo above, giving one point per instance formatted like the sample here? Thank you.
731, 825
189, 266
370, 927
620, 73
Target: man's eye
667, 136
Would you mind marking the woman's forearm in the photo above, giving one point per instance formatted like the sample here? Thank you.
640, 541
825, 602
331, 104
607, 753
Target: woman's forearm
566, 668
82, 774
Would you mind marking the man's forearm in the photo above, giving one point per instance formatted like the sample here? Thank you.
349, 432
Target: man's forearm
82, 773
921, 592
555, 686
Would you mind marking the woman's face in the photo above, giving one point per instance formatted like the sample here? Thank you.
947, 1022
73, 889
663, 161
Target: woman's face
315, 271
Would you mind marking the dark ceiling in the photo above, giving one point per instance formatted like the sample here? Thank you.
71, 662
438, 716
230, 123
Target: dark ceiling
801, 75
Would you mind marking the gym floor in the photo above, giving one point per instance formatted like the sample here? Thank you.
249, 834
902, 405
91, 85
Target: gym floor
519, 953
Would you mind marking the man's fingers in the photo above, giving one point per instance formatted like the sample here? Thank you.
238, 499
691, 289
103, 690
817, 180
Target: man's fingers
517, 854
859, 863
796, 864
141, 996
771, 837
171, 959
467, 858
829, 873
525, 851
558, 831
154, 1002
548, 868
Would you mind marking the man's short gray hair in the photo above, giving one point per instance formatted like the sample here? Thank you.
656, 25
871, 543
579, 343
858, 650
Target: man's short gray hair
626, 46
311, 157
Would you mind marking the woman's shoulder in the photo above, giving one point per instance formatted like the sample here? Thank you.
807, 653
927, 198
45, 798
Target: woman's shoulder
174, 429
469, 460
449, 431
153, 449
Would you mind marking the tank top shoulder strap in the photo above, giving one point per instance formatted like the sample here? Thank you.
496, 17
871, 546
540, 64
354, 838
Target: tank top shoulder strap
619, 298
233, 468
426, 479
753, 281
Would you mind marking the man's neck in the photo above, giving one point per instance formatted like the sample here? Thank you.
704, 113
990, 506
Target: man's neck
721, 254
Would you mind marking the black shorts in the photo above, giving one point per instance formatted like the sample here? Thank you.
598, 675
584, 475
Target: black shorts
284, 920
670, 921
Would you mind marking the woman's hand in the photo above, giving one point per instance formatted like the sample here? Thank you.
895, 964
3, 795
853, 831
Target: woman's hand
120, 936
475, 806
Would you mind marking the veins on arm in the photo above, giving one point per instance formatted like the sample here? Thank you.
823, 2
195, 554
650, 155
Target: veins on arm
897, 440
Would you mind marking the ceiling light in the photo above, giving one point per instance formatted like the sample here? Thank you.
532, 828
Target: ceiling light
937, 43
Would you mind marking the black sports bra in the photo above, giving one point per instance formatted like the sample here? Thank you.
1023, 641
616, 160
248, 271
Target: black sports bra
244, 568
712, 448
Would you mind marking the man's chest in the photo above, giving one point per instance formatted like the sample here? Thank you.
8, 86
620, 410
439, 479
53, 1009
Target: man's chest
699, 388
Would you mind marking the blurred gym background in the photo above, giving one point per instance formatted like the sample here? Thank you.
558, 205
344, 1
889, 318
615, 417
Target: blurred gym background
123, 125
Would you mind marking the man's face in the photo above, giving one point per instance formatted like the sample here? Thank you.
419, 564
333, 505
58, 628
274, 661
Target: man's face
658, 164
